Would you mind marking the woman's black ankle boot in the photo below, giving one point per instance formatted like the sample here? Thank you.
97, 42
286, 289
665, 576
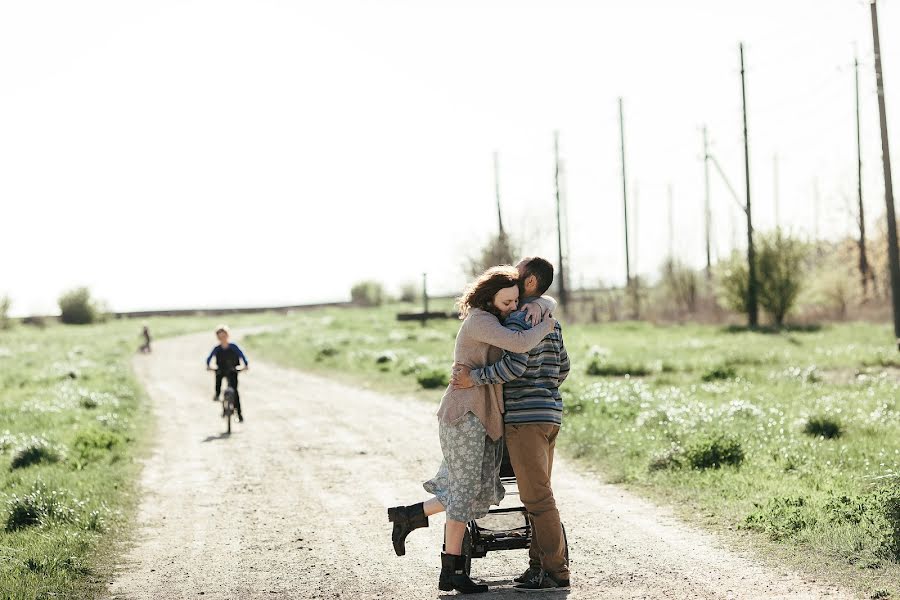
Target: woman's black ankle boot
405, 519
453, 576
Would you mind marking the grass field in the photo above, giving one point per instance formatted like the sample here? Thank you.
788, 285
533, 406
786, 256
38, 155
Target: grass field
72, 423
790, 441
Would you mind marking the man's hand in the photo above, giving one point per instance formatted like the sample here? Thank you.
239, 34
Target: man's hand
533, 313
462, 378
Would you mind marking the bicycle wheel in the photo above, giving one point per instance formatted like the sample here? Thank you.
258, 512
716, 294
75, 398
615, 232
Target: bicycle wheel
228, 405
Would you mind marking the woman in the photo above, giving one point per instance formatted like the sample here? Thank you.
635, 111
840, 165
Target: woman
471, 423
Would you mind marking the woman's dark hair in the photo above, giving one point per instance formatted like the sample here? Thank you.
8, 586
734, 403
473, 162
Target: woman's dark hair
480, 293
542, 270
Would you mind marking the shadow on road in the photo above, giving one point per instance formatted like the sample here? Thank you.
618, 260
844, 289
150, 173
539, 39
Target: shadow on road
213, 438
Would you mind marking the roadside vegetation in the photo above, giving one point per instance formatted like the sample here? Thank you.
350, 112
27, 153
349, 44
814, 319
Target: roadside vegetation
790, 440
72, 422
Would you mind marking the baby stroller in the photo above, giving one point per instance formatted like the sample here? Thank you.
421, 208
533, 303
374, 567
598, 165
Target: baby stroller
502, 528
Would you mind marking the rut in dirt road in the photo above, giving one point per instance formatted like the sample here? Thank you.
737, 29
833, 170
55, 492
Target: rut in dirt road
292, 504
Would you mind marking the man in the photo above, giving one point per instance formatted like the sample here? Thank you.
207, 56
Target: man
533, 415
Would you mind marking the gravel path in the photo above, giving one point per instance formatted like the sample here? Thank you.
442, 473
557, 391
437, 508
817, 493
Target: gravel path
292, 504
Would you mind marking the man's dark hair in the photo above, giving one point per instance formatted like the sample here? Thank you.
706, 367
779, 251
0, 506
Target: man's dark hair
542, 270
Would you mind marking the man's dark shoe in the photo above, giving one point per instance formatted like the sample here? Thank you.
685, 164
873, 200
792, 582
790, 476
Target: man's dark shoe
240, 418
542, 582
453, 576
406, 519
216, 398
530, 572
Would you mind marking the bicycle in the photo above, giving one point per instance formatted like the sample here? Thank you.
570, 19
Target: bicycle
228, 397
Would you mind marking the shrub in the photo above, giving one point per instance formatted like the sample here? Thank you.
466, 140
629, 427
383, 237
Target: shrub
714, 452
779, 274
33, 451
499, 250
669, 459
76, 307
719, 373
681, 284
732, 280
780, 517
5, 304
780, 269
822, 426
367, 293
38, 507
408, 292
35, 321
433, 378
92, 445
605, 368
386, 357
889, 500
326, 351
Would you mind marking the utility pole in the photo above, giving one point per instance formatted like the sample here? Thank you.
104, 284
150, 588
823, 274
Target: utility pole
624, 194
817, 201
671, 226
863, 257
752, 307
893, 251
497, 193
559, 231
424, 299
775, 191
707, 215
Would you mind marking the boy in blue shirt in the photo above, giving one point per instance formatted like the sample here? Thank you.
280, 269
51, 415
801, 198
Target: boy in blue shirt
228, 358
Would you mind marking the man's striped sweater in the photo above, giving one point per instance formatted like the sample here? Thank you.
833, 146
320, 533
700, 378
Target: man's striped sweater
531, 380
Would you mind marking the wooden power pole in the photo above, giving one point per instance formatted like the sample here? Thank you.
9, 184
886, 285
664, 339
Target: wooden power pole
707, 214
559, 230
861, 215
752, 304
893, 251
497, 193
628, 282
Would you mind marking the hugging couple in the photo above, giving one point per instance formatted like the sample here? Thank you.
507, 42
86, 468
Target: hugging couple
509, 362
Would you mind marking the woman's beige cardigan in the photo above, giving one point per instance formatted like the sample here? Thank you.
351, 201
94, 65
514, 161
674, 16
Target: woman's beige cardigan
480, 342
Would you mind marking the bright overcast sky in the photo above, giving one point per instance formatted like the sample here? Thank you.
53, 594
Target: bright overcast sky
180, 154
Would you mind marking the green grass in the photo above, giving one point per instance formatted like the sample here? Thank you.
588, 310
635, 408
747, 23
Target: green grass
72, 422
785, 441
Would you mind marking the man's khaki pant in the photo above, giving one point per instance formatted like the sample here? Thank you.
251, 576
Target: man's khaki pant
531, 448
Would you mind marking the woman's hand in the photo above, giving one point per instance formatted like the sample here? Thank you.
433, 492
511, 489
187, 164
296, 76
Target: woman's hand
534, 314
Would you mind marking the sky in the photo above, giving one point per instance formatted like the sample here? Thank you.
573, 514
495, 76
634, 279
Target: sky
201, 154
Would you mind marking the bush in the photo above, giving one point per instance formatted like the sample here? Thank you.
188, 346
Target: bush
780, 517
5, 304
605, 368
681, 284
719, 373
367, 293
714, 452
500, 250
77, 308
409, 292
779, 274
669, 459
433, 378
822, 426
732, 279
33, 451
38, 507
96, 444
889, 500
780, 269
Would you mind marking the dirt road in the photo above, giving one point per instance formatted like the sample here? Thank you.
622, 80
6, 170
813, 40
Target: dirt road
292, 504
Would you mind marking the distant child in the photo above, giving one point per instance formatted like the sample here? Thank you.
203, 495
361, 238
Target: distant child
228, 358
145, 347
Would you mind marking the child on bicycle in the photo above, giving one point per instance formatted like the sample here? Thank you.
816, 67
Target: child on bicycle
228, 358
